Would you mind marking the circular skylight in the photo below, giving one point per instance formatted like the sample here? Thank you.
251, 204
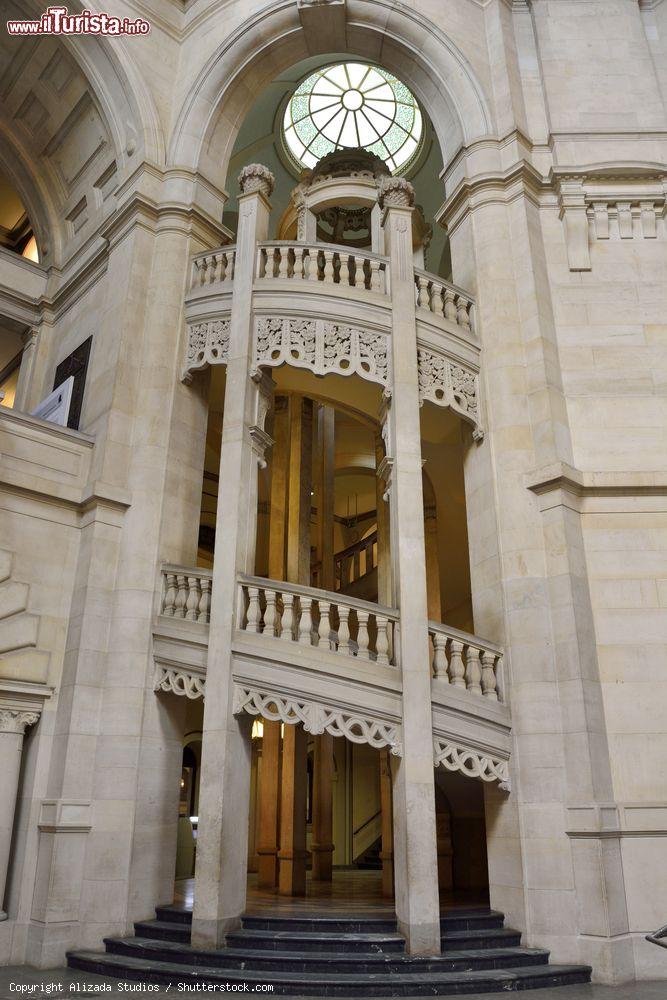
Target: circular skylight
352, 105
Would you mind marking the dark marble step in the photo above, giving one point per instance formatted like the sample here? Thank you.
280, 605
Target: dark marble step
290, 940
340, 985
162, 930
494, 937
173, 913
316, 924
325, 962
469, 920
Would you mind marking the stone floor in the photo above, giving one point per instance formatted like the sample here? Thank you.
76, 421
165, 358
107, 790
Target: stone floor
23, 981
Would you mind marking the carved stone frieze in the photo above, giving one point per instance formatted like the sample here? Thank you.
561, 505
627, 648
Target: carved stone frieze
324, 348
445, 383
208, 344
470, 762
179, 681
256, 177
317, 718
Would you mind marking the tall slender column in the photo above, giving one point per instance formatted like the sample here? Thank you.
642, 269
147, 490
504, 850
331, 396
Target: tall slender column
385, 595
415, 851
222, 847
13, 724
269, 789
432, 564
300, 478
387, 848
322, 842
325, 500
292, 854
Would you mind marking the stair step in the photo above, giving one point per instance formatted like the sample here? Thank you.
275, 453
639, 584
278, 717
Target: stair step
494, 937
162, 930
322, 925
290, 940
325, 962
173, 914
470, 920
344, 985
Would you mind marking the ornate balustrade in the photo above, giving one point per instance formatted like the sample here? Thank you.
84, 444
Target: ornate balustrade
213, 267
309, 617
466, 661
186, 593
443, 299
328, 263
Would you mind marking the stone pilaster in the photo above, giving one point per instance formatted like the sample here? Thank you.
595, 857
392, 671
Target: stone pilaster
13, 724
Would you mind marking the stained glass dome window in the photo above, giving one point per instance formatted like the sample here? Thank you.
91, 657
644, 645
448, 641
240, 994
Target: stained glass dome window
352, 105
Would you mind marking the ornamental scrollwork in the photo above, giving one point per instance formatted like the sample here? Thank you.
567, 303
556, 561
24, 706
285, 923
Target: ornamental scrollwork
208, 344
445, 383
472, 763
180, 682
317, 718
323, 347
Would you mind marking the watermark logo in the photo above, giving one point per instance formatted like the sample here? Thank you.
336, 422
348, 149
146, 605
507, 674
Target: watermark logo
59, 21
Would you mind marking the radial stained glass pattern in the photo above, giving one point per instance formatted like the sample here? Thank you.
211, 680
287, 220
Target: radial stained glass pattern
350, 105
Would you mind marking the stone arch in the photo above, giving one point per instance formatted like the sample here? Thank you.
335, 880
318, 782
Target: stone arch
74, 128
272, 39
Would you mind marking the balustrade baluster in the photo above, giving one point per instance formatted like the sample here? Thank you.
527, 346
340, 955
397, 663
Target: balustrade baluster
253, 613
270, 616
456, 668
305, 621
436, 298
489, 675
328, 266
287, 622
261, 262
450, 305
473, 670
194, 594
181, 597
204, 611
374, 283
362, 635
462, 312
324, 628
231, 261
423, 296
170, 595
382, 640
440, 657
344, 630
313, 264
354, 271
298, 271
283, 262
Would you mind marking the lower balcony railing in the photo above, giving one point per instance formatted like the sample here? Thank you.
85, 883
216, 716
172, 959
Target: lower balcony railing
319, 618
466, 661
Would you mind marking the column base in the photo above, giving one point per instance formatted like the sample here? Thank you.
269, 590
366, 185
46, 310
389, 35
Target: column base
421, 939
209, 934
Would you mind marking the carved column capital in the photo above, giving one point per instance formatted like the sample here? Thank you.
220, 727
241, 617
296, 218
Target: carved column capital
395, 192
14, 720
255, 177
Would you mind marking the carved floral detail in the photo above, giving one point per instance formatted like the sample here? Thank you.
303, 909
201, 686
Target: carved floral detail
256, 177
448, 384
395, 192
322, 347
16, 721
208, 344
317, 718
472, 763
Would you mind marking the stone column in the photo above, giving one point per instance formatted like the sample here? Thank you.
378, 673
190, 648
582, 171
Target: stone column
13, 724
432, 565
415, 854
222, 847
322, 843
325, 495
387, 849
300, 478
385, 595
292, 854
269, 790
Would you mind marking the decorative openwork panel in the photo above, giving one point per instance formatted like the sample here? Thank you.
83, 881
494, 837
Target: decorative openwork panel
324, 348
177, 680
208, 344
448, 383
472, 763
317, 718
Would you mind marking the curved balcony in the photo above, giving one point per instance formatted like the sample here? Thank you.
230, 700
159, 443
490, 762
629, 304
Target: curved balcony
329, 308
329, 660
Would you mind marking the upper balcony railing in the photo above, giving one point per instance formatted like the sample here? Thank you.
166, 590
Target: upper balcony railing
327, 263
466, 661
443, 299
